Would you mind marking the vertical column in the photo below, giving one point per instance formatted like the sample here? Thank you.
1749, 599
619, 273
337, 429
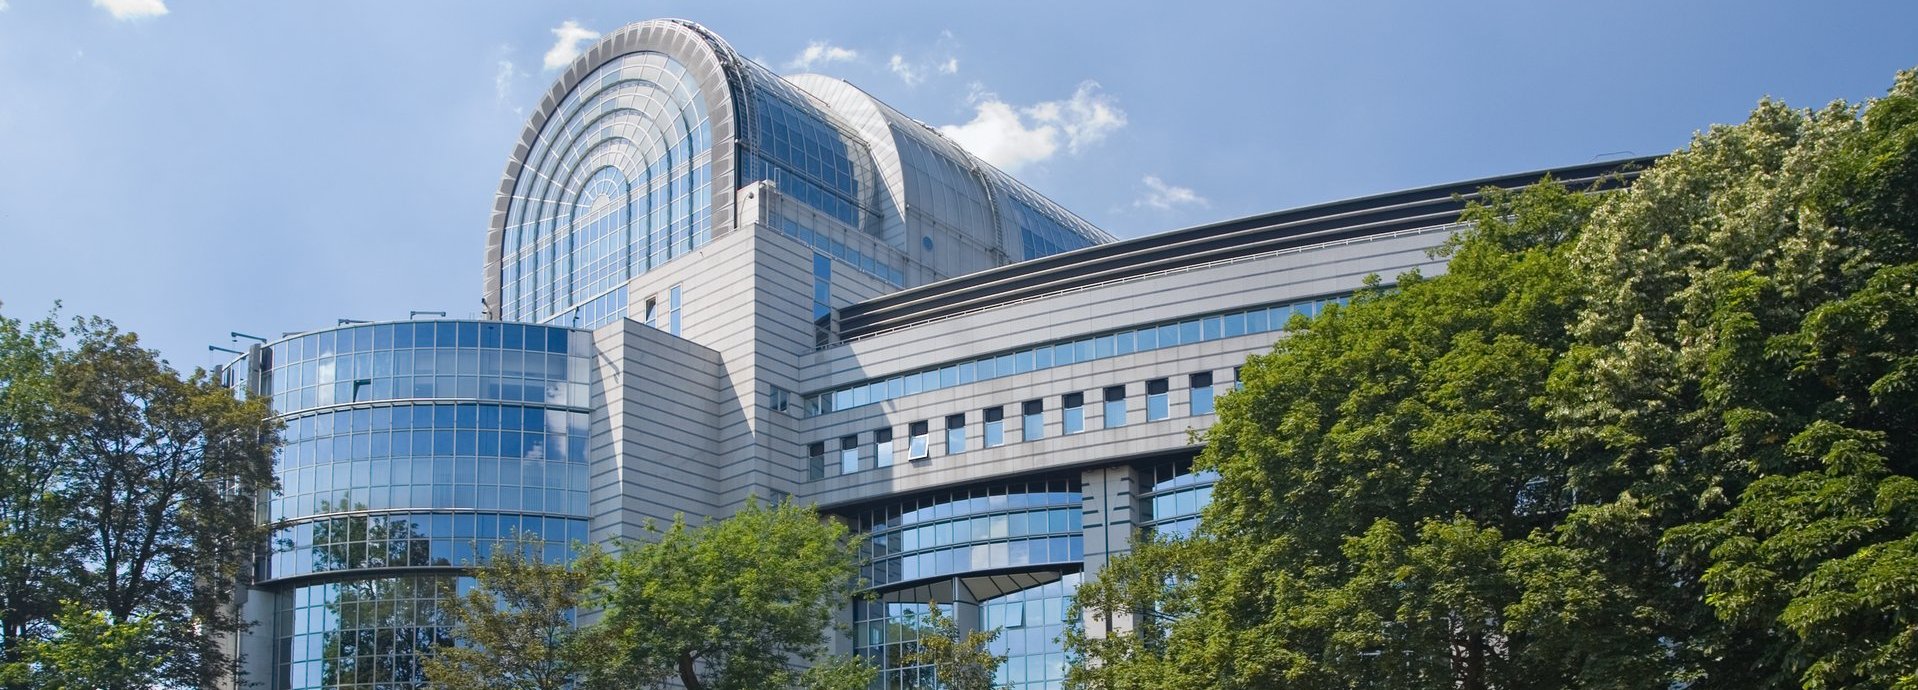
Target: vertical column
1112, 516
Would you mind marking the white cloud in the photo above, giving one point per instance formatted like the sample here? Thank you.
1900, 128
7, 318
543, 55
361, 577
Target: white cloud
503, 80
1011, 138
820, 53
1087, 117
132, 9
570, 35
950, 66
3, 5
907, 73
1165, 197
998, 134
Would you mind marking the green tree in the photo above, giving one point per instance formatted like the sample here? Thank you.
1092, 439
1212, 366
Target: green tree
128, 487
517, 628
1660, 435
959, 660
733, 604
91, 651
36, 539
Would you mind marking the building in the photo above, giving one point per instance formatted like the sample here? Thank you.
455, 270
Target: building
706, 282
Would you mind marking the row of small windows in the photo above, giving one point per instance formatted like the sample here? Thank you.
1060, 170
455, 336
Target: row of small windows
827, 246
851, 456
1142, 339
489, 335
597, 312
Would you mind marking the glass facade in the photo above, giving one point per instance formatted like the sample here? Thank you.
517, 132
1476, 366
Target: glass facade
411, 450
1031, 623
1198, 329
1004, 557
1005, 526
1174, 497
362, 634
618, 182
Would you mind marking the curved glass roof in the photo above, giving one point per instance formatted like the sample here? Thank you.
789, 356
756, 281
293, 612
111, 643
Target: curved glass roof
634, 156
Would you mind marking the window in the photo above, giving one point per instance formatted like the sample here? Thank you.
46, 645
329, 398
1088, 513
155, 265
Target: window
1033, 426
1201, 393
916, 441
1074, 413
780, 400
995, 426
651, 313
1156, 406
821, 299
955, 434
1115, 407
672, 310
882, 448
849, 454
816, 461
1238, 378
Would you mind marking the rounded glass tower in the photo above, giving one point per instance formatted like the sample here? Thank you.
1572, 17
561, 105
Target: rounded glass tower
411, 449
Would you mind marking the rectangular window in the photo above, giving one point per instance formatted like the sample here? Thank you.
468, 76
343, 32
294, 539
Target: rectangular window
849, 454
1033, 422
816, 461
1115, 407
882, 448
955, 434
917, 440
1238, 378
1201, 393
1156, 406
821, 299
995, 426
672, 310
1075, 413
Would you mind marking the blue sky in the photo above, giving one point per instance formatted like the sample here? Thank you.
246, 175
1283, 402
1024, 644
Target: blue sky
188, 168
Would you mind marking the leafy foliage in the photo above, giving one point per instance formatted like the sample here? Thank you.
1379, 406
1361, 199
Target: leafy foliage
1645, 438
91, 651
960, 660
517, 627
129, 487
733, 604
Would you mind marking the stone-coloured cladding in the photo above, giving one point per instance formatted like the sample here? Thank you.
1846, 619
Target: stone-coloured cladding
655, 400
1112, 518
746, 301
1280, 278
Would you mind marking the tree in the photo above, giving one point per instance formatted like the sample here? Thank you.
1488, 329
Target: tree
734, 603
518, 626
92, 651
128, 487
1657, 436
36, 539
958, 660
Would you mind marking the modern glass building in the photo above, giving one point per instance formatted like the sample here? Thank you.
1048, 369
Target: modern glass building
411, 449
704, 282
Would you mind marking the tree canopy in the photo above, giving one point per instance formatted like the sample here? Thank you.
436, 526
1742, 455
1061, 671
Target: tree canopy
1637, 438
127, 509
734, 604
518, 626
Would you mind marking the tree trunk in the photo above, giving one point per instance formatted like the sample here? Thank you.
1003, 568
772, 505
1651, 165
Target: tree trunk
686, 675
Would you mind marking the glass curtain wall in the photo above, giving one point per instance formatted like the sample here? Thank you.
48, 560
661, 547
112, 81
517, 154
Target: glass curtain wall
412, 449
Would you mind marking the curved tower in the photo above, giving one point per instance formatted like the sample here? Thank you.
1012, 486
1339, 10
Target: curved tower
411, 449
